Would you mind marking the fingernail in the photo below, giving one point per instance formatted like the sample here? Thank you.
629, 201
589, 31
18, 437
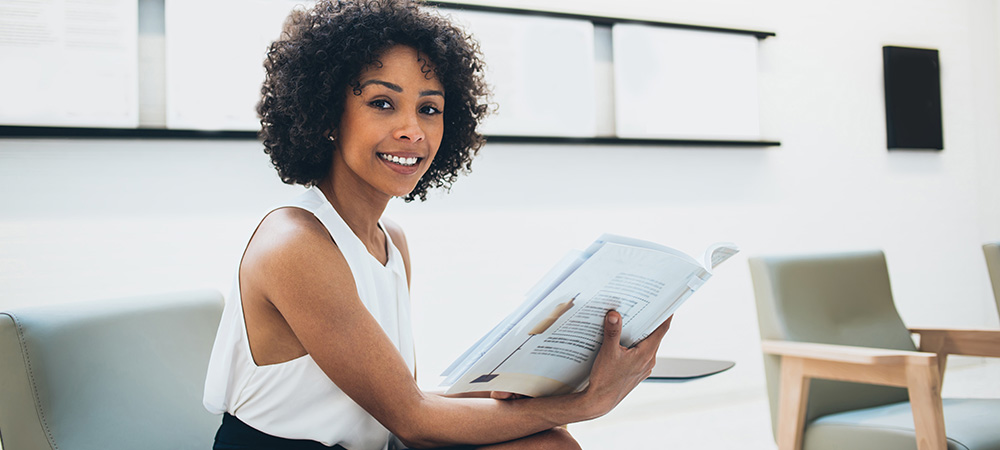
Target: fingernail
613, 318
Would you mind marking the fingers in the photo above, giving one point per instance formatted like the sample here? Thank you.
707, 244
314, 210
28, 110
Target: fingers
498, 395
652, 341
662, 329
612, 329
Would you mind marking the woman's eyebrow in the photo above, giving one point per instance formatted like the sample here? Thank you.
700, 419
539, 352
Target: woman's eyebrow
387, 84
398, 88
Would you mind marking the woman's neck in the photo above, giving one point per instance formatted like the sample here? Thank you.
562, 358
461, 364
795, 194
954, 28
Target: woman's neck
359, 209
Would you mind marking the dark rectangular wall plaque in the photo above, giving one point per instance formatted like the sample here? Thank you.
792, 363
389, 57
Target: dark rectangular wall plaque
912, 98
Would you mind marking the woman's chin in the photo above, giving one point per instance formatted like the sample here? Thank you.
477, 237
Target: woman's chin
401, 193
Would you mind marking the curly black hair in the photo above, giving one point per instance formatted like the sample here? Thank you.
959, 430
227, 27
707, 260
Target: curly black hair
323, 50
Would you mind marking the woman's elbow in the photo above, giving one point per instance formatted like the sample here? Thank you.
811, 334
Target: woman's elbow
410, 443
413, 438
553, 439
413, 427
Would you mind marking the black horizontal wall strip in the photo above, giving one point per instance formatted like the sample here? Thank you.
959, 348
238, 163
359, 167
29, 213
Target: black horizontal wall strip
597, 20
629, 141
161, 133
122, 133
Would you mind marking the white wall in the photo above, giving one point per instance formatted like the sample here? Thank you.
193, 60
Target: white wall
88, 218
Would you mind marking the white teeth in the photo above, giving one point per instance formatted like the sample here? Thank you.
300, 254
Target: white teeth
401, 161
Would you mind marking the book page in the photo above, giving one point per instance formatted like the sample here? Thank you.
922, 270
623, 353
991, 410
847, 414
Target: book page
624, 240
719, 253
551, 351
556, 275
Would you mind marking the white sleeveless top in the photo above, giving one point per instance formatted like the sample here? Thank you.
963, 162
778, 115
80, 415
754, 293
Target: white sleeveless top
295, 399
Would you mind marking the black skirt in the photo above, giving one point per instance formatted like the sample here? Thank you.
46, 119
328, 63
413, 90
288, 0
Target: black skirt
236, 435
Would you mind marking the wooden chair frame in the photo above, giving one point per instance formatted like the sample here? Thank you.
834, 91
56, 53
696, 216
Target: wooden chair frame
920, 372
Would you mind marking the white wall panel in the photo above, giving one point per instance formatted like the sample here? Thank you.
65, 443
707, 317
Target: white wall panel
541, 71
679, 83
214, 71
66, 63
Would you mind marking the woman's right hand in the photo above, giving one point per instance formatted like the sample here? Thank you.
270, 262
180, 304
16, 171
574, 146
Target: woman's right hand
617, 370
501, 395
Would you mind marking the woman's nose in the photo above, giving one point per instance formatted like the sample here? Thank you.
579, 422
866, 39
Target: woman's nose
410, 129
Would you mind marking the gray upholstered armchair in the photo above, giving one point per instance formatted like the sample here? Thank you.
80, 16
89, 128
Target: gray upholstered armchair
107, 375
843, 371
992, 252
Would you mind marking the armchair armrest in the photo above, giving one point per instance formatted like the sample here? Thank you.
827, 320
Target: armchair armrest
844, 353
849, 363
968, 342
802, 361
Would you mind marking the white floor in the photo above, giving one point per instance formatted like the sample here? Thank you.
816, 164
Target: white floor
704, 414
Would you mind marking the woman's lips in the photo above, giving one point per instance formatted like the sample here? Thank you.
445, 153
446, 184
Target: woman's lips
406, 161
401, 164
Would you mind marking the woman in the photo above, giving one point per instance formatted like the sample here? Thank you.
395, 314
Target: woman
364, 102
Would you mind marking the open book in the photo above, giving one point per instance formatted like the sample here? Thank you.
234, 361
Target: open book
547, 345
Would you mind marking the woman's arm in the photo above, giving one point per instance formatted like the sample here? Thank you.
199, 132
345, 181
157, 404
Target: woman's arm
299, 270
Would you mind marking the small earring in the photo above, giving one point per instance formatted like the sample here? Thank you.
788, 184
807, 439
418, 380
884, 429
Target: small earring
331, 138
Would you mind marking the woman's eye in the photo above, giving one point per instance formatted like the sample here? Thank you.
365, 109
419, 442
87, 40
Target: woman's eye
381, 104
430, 110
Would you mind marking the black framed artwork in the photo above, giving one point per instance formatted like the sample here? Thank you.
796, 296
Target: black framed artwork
912, 98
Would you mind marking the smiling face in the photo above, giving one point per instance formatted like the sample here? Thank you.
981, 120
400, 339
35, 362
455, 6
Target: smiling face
392, 125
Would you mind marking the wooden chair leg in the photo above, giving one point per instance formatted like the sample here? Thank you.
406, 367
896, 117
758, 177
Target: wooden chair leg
792, 404
935, 343
924, 386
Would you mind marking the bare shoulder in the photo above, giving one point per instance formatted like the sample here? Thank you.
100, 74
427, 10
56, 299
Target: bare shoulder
286, 239
286, 229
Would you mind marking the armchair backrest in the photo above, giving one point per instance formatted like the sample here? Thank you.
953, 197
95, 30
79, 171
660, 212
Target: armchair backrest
992, 251
118, 374
840, 299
